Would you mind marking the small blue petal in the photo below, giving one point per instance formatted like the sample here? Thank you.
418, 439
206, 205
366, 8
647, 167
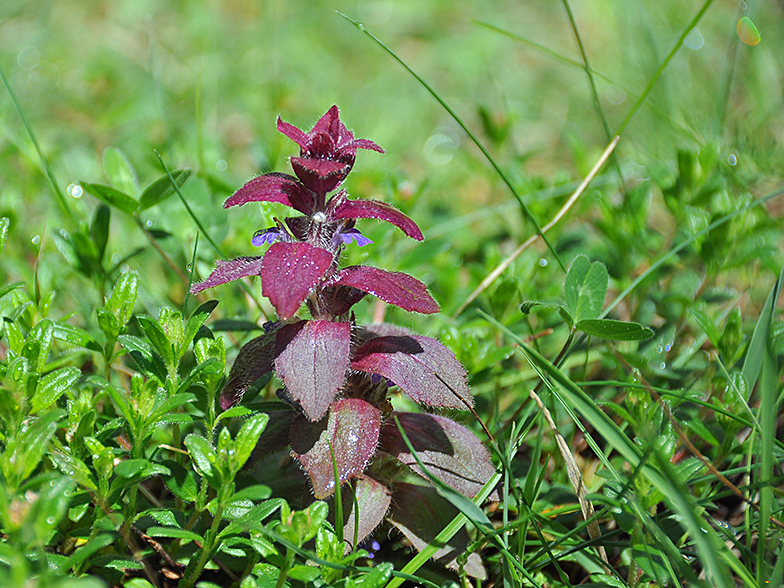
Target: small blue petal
266, 236
354, 234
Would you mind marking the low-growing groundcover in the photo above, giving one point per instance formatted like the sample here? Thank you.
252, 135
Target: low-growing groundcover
601, 410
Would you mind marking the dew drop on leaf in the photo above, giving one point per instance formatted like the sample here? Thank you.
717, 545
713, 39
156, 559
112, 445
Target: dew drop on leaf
747, 32
732, 159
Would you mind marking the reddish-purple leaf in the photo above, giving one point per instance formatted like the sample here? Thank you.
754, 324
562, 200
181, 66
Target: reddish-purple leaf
289, 272
319, 175
422, 367
373, 499
351, 429
449, 451
228, 271
273, 187
293, 133
394, 287
381, 211
311, 359
253, 361
362, 144
276, 435
421, 514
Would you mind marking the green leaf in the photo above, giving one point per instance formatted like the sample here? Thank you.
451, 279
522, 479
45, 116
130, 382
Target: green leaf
247, 438
108, 324
205, 459
99, 230
89, 548
75, 336
150, 363
615, 330
112, 197
181, 482
169, 406
159, 340
162, 516
38, 343
119, 171
529, 305
173, 533
71, 466
585, 288
304, 573
5, 222
235, 411
10, 288
52, 386
378, 577
706, 323
161, 189
51, 506
252, 518
195, 322
123, 297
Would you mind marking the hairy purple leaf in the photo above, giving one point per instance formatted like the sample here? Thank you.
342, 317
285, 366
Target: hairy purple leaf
396, 288
228, 271
373, 499
422, 367
449, 451
311, 359
378, 210
421, 514
319, 175
276, 435
274, 187
289, 272
253, 361
351, 429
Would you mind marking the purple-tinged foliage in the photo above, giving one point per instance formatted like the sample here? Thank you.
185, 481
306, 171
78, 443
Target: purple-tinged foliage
336, 374
311, 359
422, 367
449, 451
350, 431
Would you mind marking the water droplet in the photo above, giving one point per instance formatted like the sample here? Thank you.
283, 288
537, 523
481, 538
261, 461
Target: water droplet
543, 262
659, 349
662, 365
615, 94
74, 190
71, 473
747, 32
149, 223
231, 452
221, 165
28, 57
668, 347
743, 5
732, 159
439, 149
51, 520
36, 239
694, 40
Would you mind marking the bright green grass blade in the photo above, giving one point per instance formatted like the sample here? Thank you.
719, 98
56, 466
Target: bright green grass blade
715, 556
760, 364
526, 212
47, 169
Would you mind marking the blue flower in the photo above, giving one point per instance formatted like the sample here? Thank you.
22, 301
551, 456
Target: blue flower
266, 236
354, 234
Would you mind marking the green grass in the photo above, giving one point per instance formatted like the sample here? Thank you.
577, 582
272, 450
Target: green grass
491, 128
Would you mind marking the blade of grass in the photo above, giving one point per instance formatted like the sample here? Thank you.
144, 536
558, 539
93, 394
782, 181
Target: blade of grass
597, 103
47, 168
760, 363
523, 207
714, 554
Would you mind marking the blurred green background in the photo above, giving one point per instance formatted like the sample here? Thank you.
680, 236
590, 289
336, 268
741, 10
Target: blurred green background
203, 82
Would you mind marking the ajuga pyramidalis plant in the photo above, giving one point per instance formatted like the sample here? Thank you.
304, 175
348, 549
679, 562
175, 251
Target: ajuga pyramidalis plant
337, 375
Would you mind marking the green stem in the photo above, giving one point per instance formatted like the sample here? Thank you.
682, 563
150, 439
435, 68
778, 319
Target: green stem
210, 541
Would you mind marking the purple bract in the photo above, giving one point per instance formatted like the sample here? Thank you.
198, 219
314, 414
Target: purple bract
337, 374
